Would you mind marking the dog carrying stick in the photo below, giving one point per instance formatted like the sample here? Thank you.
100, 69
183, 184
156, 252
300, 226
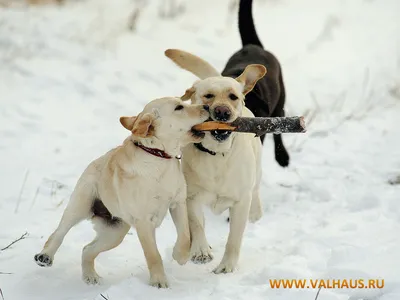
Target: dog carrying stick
259, 125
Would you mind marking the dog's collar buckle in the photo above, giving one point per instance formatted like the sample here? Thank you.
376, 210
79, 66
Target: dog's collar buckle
204, 149
154, 151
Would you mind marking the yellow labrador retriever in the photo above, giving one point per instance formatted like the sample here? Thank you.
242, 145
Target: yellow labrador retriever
134, 185
224, 170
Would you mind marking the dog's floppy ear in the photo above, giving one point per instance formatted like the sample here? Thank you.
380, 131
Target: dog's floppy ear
188, 93
250, 76
127, 122
141, 126
191, 63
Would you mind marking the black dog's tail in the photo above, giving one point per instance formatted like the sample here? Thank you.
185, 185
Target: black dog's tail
247, 29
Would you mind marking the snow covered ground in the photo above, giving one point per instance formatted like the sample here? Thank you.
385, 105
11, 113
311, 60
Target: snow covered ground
68, 73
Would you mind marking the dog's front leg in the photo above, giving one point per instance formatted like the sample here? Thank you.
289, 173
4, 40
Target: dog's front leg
182, 246
238, 218
200, 249
147, 236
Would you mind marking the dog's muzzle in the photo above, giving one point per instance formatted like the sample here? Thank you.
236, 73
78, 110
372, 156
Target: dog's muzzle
198, 134
222, 114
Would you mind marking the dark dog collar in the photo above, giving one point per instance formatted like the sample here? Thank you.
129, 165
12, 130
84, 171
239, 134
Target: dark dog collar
154, 151
204, 149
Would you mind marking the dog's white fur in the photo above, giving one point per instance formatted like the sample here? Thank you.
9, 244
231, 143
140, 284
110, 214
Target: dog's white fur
231, 178
137, 187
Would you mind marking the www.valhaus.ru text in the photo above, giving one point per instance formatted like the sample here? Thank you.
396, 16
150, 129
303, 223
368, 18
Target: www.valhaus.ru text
327, 283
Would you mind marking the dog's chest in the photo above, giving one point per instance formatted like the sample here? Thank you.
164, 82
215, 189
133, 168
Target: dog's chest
211, 171
226, 176
149, 197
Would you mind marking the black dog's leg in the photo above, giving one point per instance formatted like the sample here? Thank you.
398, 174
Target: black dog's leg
262, 137
281, 155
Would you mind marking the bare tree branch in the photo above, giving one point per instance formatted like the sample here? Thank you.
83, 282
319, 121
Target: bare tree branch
316, 296
17, 240
21, 190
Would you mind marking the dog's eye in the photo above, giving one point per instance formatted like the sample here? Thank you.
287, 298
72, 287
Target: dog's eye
179, 107
233, 97
209, 96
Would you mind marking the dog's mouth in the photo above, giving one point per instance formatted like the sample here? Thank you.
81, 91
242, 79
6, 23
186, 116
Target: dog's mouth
220, 135
197, 134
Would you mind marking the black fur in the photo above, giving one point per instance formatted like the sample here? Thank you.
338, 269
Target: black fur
267, 99
99, 210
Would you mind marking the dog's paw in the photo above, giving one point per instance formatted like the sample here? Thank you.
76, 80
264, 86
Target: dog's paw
226, 267
159, 281
43, 260
181, 253
282, 157
201, 255
92, 278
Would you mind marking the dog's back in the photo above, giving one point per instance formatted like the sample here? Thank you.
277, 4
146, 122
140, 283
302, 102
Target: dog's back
267, 99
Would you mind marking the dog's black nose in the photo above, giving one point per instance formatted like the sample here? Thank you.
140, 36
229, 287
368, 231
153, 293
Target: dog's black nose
222, 113
206, 107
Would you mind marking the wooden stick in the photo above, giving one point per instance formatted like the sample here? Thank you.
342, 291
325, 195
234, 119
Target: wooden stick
259, 126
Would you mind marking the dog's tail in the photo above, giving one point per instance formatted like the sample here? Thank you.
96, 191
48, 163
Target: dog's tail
247, 30
191, 63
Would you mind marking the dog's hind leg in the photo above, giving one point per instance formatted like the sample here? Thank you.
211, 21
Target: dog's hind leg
108, 237
77, 210
281, 155
256, 209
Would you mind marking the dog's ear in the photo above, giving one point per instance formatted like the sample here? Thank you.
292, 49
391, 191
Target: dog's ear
127, 122
188, 93
143, 126
250, 76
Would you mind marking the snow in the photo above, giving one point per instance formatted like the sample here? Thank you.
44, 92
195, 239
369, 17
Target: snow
68, 73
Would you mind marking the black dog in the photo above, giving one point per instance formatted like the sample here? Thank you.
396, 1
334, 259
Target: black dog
267, 99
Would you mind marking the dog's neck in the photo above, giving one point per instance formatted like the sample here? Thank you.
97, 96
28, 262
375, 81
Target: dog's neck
135, 160
153, 146
153, 151
204, 149
212, 147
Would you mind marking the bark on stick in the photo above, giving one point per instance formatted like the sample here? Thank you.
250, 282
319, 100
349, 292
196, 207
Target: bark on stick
259, 125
